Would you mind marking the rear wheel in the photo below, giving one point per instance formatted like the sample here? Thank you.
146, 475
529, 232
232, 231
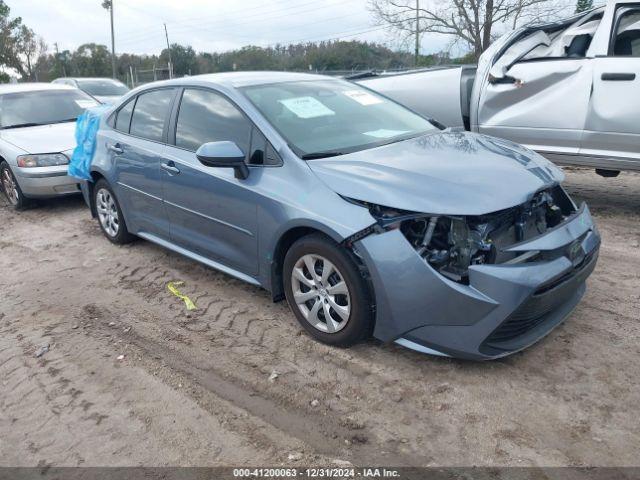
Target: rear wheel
326, 291
11, 188
109, 214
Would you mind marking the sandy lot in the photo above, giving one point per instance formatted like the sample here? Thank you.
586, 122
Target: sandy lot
195, 388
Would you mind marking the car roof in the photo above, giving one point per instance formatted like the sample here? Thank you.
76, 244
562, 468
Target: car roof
103, 79
32, 87
245, 79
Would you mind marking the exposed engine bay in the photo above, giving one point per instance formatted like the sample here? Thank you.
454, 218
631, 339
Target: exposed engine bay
450, 244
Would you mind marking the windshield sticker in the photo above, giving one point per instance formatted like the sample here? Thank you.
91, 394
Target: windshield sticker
307, 107
85, 103
384, 133
362, 97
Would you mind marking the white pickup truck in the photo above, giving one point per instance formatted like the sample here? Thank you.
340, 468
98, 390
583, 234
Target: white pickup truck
569, 90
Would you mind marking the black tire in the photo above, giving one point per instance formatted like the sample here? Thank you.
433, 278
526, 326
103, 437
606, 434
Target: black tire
17, 200
121, 235
359, 324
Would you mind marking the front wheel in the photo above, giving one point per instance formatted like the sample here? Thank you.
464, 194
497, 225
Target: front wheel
327, 293
109, 214
11, 188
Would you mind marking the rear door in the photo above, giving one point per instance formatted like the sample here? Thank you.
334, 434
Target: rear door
137, 147
612, 130
212, 213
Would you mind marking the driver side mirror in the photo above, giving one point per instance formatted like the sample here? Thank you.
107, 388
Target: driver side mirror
223, 155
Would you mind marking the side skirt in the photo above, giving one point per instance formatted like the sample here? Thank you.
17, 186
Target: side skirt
199, 258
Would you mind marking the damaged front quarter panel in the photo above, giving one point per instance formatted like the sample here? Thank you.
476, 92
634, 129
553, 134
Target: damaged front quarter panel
435, 259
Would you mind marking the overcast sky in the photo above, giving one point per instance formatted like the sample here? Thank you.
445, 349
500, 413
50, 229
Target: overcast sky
206, 25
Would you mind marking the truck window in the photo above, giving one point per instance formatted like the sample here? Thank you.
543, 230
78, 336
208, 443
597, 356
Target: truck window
570, 41
626, 41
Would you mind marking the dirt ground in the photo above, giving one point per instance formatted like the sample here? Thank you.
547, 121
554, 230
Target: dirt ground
237, 382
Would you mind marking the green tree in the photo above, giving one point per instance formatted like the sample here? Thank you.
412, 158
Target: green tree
91, 60
10, 32
183, 58
584, 5
30, 48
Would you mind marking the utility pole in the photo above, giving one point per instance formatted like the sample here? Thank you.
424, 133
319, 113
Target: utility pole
417, 53
108, 4
64, 72
113, 45
166, 34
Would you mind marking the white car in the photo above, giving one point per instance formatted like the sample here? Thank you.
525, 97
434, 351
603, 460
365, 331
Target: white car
105, 90
37, 137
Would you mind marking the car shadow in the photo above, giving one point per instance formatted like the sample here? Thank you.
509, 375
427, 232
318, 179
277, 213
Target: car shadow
605, 195
65, 203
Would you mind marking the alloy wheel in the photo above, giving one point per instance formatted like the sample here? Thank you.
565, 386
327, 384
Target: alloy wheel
10, 186
321, 293
107, 212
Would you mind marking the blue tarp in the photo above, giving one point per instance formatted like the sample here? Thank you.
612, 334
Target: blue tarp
86, 134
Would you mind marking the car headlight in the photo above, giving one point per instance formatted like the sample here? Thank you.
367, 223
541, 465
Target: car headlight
42, 160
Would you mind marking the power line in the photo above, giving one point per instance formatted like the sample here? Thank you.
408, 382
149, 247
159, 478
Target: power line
186, 22
256, 16
316, 22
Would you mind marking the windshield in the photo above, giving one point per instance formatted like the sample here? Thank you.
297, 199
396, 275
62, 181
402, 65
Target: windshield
42, 107
323, 118
103, 88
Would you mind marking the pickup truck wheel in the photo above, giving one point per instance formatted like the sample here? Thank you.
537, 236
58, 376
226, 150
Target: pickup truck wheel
110, 215
11, 188
326, 291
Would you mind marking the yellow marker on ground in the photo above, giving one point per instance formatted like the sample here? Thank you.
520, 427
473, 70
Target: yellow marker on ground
187, 301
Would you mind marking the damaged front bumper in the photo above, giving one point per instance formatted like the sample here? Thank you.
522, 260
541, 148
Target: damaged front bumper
503, 309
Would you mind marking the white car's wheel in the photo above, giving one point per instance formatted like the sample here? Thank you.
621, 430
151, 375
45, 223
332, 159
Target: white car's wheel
11, 188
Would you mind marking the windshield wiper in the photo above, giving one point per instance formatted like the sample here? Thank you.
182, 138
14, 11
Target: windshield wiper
20, 125
65, 120
34, 124
314, 155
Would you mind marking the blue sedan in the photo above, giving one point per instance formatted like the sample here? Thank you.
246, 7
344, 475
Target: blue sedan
368, 218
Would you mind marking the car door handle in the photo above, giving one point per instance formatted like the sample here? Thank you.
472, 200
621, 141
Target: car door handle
618, 77
170, 167
116, 149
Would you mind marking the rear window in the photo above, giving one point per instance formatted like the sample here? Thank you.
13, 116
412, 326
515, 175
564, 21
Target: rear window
105, 88
626, 42
150, 114
123, 120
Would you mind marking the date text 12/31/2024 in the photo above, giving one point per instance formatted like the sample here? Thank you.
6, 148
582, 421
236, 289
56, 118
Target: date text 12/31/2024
316, 473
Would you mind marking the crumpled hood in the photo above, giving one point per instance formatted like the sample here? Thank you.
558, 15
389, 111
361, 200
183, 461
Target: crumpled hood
449, 173
55, 138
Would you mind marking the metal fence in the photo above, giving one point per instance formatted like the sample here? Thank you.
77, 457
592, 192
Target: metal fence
137, 76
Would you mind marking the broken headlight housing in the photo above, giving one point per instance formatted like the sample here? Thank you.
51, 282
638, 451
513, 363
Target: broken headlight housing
451, 244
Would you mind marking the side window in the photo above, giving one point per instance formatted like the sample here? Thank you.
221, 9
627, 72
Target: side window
262, 153
206, 116
626, 41
123, 119
150, 113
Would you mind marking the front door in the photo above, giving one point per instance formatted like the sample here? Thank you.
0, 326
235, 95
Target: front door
212, 213
612, 129
544, 109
